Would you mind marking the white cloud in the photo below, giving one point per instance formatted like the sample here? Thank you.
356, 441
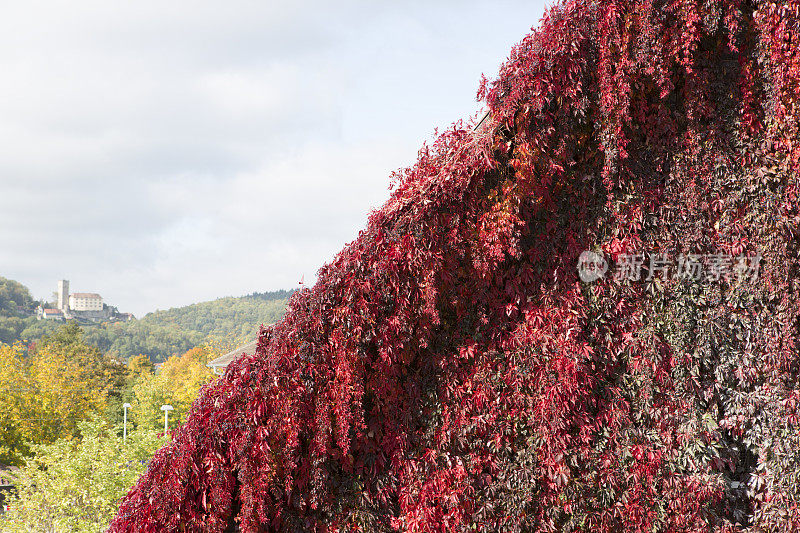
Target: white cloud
162, 153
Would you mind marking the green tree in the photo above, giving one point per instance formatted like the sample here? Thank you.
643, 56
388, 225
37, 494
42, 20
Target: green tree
13, 295
34, 329
10, 328
15, 304
75, 485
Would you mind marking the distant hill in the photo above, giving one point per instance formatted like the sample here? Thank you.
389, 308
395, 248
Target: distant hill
16, 308
222, 323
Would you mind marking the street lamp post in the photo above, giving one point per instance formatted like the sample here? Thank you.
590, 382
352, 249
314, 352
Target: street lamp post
166, 409
125, 406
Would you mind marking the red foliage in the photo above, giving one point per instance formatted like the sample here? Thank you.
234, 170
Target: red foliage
449, 371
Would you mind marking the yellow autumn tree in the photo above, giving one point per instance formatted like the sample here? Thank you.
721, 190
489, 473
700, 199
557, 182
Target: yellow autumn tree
12, 368
47, 389
139, 366
177, 383
67, 380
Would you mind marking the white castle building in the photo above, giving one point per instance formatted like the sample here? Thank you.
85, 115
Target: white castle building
81, 305
85, 301
77, 301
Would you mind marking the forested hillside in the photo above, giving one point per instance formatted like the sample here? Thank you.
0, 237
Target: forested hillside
223, 323
450, 370
16, 304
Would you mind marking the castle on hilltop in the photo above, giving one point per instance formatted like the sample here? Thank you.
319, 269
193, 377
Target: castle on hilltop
82, 306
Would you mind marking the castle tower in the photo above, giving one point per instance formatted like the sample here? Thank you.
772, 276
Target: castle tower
63, 295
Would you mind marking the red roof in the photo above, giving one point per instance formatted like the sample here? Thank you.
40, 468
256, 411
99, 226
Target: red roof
52, 312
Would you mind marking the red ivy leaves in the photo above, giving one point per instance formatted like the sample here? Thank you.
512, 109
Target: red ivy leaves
449, 372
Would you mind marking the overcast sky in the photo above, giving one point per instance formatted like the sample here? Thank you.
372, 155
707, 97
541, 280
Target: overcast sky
162, 153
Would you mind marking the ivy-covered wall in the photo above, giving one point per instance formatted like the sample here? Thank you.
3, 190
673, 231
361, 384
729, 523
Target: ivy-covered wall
451, 372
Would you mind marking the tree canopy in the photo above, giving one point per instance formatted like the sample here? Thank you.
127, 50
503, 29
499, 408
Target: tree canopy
15, 303
75, 485
176, 384
14, 295
47, 390
61, 420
